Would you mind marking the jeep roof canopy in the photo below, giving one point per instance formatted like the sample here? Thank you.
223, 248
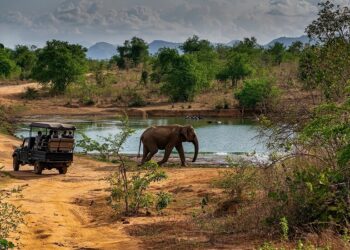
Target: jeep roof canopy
52, 125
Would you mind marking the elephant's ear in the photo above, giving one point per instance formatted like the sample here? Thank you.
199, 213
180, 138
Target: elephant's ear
184, 132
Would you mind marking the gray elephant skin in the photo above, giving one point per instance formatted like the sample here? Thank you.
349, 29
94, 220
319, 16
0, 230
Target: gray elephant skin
166, 138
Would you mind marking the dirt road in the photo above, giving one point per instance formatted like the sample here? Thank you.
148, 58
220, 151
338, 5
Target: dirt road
71, 212
54, 219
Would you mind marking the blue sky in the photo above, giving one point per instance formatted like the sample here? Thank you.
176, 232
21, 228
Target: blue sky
91, 21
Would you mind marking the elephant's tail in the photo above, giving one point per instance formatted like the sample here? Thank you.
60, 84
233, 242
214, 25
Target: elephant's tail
138, 155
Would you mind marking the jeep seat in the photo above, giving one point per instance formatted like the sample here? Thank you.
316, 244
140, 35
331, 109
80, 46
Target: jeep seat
61, 145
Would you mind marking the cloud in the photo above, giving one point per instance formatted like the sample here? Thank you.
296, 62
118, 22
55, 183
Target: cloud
291, 8
115, 21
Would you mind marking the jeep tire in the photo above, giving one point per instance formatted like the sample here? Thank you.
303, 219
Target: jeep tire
38, 168
15, 163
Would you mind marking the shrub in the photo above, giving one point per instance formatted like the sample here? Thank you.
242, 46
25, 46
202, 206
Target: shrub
238, 181
163, 200
256, 93
222, 104
136, 100
10, 217
30, 93
132, 192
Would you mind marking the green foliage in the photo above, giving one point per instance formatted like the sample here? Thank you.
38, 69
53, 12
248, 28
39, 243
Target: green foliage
329, 130
132, 53
60, 64
239, 181
296, 48
185, 79
256, 92
327, 65
332, 23
277, 51
194, 44
144, 77
327, 68
237, 67
136, 193
163, 200
313, 195
10, 217
25, 58
4, 244
284, 228
163, 64
30, 93
136, 100
7, 66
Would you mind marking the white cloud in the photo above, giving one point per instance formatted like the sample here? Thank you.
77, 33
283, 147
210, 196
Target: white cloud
115, 21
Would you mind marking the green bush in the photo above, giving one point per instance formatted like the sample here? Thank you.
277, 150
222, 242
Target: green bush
239, 181
136, 100
10, 217
256, 93
136, 195
163, 200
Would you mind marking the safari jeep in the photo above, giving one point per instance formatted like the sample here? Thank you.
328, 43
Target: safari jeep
49, 145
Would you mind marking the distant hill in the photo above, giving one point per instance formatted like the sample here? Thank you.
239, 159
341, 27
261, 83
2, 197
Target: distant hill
158, 44
288, 41
233, 43
102, 51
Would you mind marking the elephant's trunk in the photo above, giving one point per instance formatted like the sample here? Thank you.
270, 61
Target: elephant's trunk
195, 143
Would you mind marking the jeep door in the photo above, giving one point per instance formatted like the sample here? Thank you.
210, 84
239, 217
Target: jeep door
23, 156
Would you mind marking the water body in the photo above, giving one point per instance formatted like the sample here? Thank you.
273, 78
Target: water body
219, 137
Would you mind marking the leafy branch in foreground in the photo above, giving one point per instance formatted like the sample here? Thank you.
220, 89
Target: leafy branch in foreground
131, 191
10, 217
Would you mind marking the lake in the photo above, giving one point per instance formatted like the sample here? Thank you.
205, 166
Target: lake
216, 136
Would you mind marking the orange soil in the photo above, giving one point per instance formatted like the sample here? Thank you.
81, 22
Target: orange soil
70, 211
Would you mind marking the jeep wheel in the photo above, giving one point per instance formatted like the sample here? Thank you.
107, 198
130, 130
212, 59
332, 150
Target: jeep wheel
37, 168
15, 163
62, 170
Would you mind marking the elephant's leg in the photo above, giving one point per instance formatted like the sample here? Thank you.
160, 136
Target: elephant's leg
181, 152
144, 155
168, 150
151, 154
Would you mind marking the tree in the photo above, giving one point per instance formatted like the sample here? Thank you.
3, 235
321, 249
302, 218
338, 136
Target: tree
184, 79
277, 52
236, 68
163, 63
59, 64
6, 64
327, 65
256, 92
25, 59
132, 53
193, 44
296, 47
333, 22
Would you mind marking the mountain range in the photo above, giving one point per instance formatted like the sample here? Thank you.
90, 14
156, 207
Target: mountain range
104, 51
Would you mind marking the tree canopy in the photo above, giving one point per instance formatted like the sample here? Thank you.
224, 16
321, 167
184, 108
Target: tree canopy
59, 64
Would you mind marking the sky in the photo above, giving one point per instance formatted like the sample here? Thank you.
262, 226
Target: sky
90, 21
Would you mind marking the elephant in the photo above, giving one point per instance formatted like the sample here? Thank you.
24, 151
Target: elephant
167, 137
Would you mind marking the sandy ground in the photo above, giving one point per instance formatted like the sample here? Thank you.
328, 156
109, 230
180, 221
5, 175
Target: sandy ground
70, 211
